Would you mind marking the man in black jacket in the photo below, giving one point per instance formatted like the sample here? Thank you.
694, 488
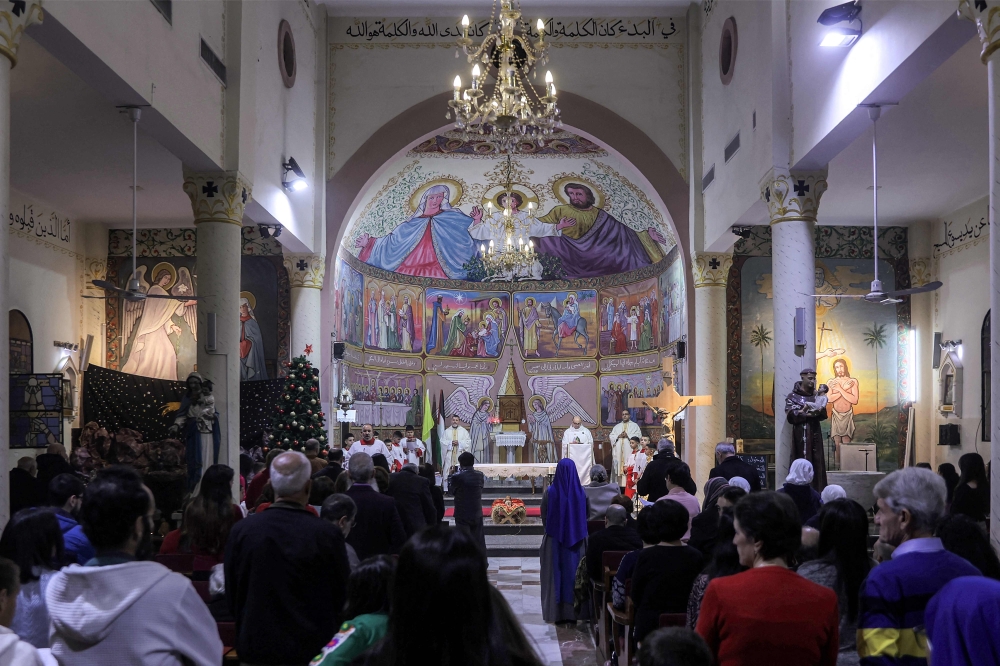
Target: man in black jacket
286, 573
653, 481
377, 530
614, 536
25, 490
412, 494
727, 465
467, 487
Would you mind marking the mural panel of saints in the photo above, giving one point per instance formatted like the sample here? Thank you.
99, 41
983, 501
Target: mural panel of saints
590, 241
434, 242
845, 393
151, 321
252, 366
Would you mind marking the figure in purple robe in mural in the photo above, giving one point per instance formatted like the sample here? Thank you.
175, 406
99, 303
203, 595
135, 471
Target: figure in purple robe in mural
591, 242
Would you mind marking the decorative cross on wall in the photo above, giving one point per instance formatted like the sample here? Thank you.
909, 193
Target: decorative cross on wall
302, 265
801, 188
210, 189
19, 7
714, 263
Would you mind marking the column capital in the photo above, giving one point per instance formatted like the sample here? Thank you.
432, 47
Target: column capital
921, 271
987, 19
710, 269
792, 196
219, 196
305, 270
14, 18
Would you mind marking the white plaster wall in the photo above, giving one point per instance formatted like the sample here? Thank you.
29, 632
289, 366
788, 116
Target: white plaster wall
159, 60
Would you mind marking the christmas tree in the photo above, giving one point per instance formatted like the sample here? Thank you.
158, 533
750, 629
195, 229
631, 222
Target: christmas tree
299, 416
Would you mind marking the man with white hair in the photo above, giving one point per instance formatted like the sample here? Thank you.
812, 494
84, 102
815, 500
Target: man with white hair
578, 446
284, 615
911, 502
727, 465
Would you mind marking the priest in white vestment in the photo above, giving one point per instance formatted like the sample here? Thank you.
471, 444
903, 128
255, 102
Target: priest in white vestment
456, 441
621, 437
370, 444
578, 446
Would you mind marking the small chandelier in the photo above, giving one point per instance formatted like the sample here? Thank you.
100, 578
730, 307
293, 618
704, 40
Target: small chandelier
510, 262
513, 110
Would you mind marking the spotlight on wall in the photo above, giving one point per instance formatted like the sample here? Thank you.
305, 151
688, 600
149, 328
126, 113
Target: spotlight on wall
845, 13
67, 346
743, 232
298, 180
269, 230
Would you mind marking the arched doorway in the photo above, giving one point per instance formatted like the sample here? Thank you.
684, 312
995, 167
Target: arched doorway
21, 344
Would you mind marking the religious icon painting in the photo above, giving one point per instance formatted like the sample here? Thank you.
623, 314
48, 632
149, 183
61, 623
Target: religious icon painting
629, 318
261, 318
349, 299
618, 389
556, 324
393, 317
672, 316
386, 398
469, 324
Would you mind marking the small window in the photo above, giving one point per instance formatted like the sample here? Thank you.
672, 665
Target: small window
21, 345
708, 178
727, 51
286, 54
213, 61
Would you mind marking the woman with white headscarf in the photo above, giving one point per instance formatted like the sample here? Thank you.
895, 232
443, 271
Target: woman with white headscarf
797, 486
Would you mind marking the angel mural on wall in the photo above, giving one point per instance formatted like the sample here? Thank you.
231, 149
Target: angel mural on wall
472, 403
549, 402
151, 323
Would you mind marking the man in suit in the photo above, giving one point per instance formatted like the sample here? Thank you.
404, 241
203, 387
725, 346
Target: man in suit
727, 465
25, 490
467, 486
412, 494
377, 529
653, 483
614, 536
286, 573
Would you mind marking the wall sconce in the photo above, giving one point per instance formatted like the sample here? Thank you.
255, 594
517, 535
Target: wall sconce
845, 13
68, 346
269, 230
298, 180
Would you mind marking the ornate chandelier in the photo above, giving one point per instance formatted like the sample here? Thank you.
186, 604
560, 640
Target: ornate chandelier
513, 110
510, 262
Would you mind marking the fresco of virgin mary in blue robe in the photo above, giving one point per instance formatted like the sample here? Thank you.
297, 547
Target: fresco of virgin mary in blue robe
434, 242
252, 366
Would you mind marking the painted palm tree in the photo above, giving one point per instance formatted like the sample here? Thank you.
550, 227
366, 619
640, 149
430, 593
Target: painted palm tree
874, 336
760, 338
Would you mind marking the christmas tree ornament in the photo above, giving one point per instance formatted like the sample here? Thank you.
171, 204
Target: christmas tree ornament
300, 389
302, 427
292, 414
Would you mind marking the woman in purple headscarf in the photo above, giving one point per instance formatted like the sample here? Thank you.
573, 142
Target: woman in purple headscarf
564, 517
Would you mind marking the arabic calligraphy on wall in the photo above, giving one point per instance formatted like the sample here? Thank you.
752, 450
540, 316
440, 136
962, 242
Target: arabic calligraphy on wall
38, 220
957, 236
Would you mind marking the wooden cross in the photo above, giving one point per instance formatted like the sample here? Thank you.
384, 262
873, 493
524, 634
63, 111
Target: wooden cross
823, 329
670, 403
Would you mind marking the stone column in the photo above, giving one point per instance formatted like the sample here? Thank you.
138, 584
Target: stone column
305, 275
987, 20
218, 200
792, 200
14, 18
711, 273
922, 321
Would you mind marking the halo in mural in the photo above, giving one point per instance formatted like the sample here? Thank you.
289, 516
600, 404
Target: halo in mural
251, 299
164, 266
539, 398
526, 194
559, 189
455, 191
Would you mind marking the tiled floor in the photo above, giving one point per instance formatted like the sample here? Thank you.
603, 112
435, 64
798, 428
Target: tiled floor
518, 579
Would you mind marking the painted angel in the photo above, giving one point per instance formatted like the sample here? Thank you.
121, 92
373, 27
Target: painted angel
550, 402
149, 322
472, 403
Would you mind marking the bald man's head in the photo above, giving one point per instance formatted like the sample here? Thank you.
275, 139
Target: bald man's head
290, 473
616, 515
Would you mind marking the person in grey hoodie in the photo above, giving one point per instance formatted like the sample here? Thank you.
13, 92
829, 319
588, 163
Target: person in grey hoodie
119, 609
14, 651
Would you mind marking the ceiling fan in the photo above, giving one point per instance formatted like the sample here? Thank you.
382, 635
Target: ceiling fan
877, 294
134, 290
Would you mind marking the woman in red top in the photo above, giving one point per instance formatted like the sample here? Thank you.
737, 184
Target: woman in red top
769, 615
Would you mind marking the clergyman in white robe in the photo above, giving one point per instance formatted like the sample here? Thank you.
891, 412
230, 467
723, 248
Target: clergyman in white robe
456, 441
578, 446
621, 447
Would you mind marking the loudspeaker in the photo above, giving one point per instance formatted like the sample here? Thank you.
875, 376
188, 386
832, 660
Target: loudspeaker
936, 352
210, 343
800, 327
948, 435
681, 350
339, 349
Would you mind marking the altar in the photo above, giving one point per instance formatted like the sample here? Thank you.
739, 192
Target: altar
530, 470
510, 441
382, 413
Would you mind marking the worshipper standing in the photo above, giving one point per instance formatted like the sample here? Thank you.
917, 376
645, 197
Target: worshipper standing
653, 483
972, 494
644, 527
615, 536
366, 610
437, 494
599, 493
966, 538
740, 483
456, 441
674, 646
578, 446
564, 518
727, 465
412, 494
322, 487
479, 629
769, 614
951, 478
414, 447
725, 561
842, 564
798, 487
705, 526
286, 573
13, 650
961, 623
378, 529
369, 444
678, 477
381, 479
466, 486
620, 438
114, 610
25, 490
52, 463
260, 480
341, 510
893, 597
33, 541
66, 494
311, 449
665, 573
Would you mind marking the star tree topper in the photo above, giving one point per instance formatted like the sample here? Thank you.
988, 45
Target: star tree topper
309, 350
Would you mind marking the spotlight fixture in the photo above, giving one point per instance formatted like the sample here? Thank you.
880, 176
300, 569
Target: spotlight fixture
845, 13
743, 232
298, 181
68, 346
269, 230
